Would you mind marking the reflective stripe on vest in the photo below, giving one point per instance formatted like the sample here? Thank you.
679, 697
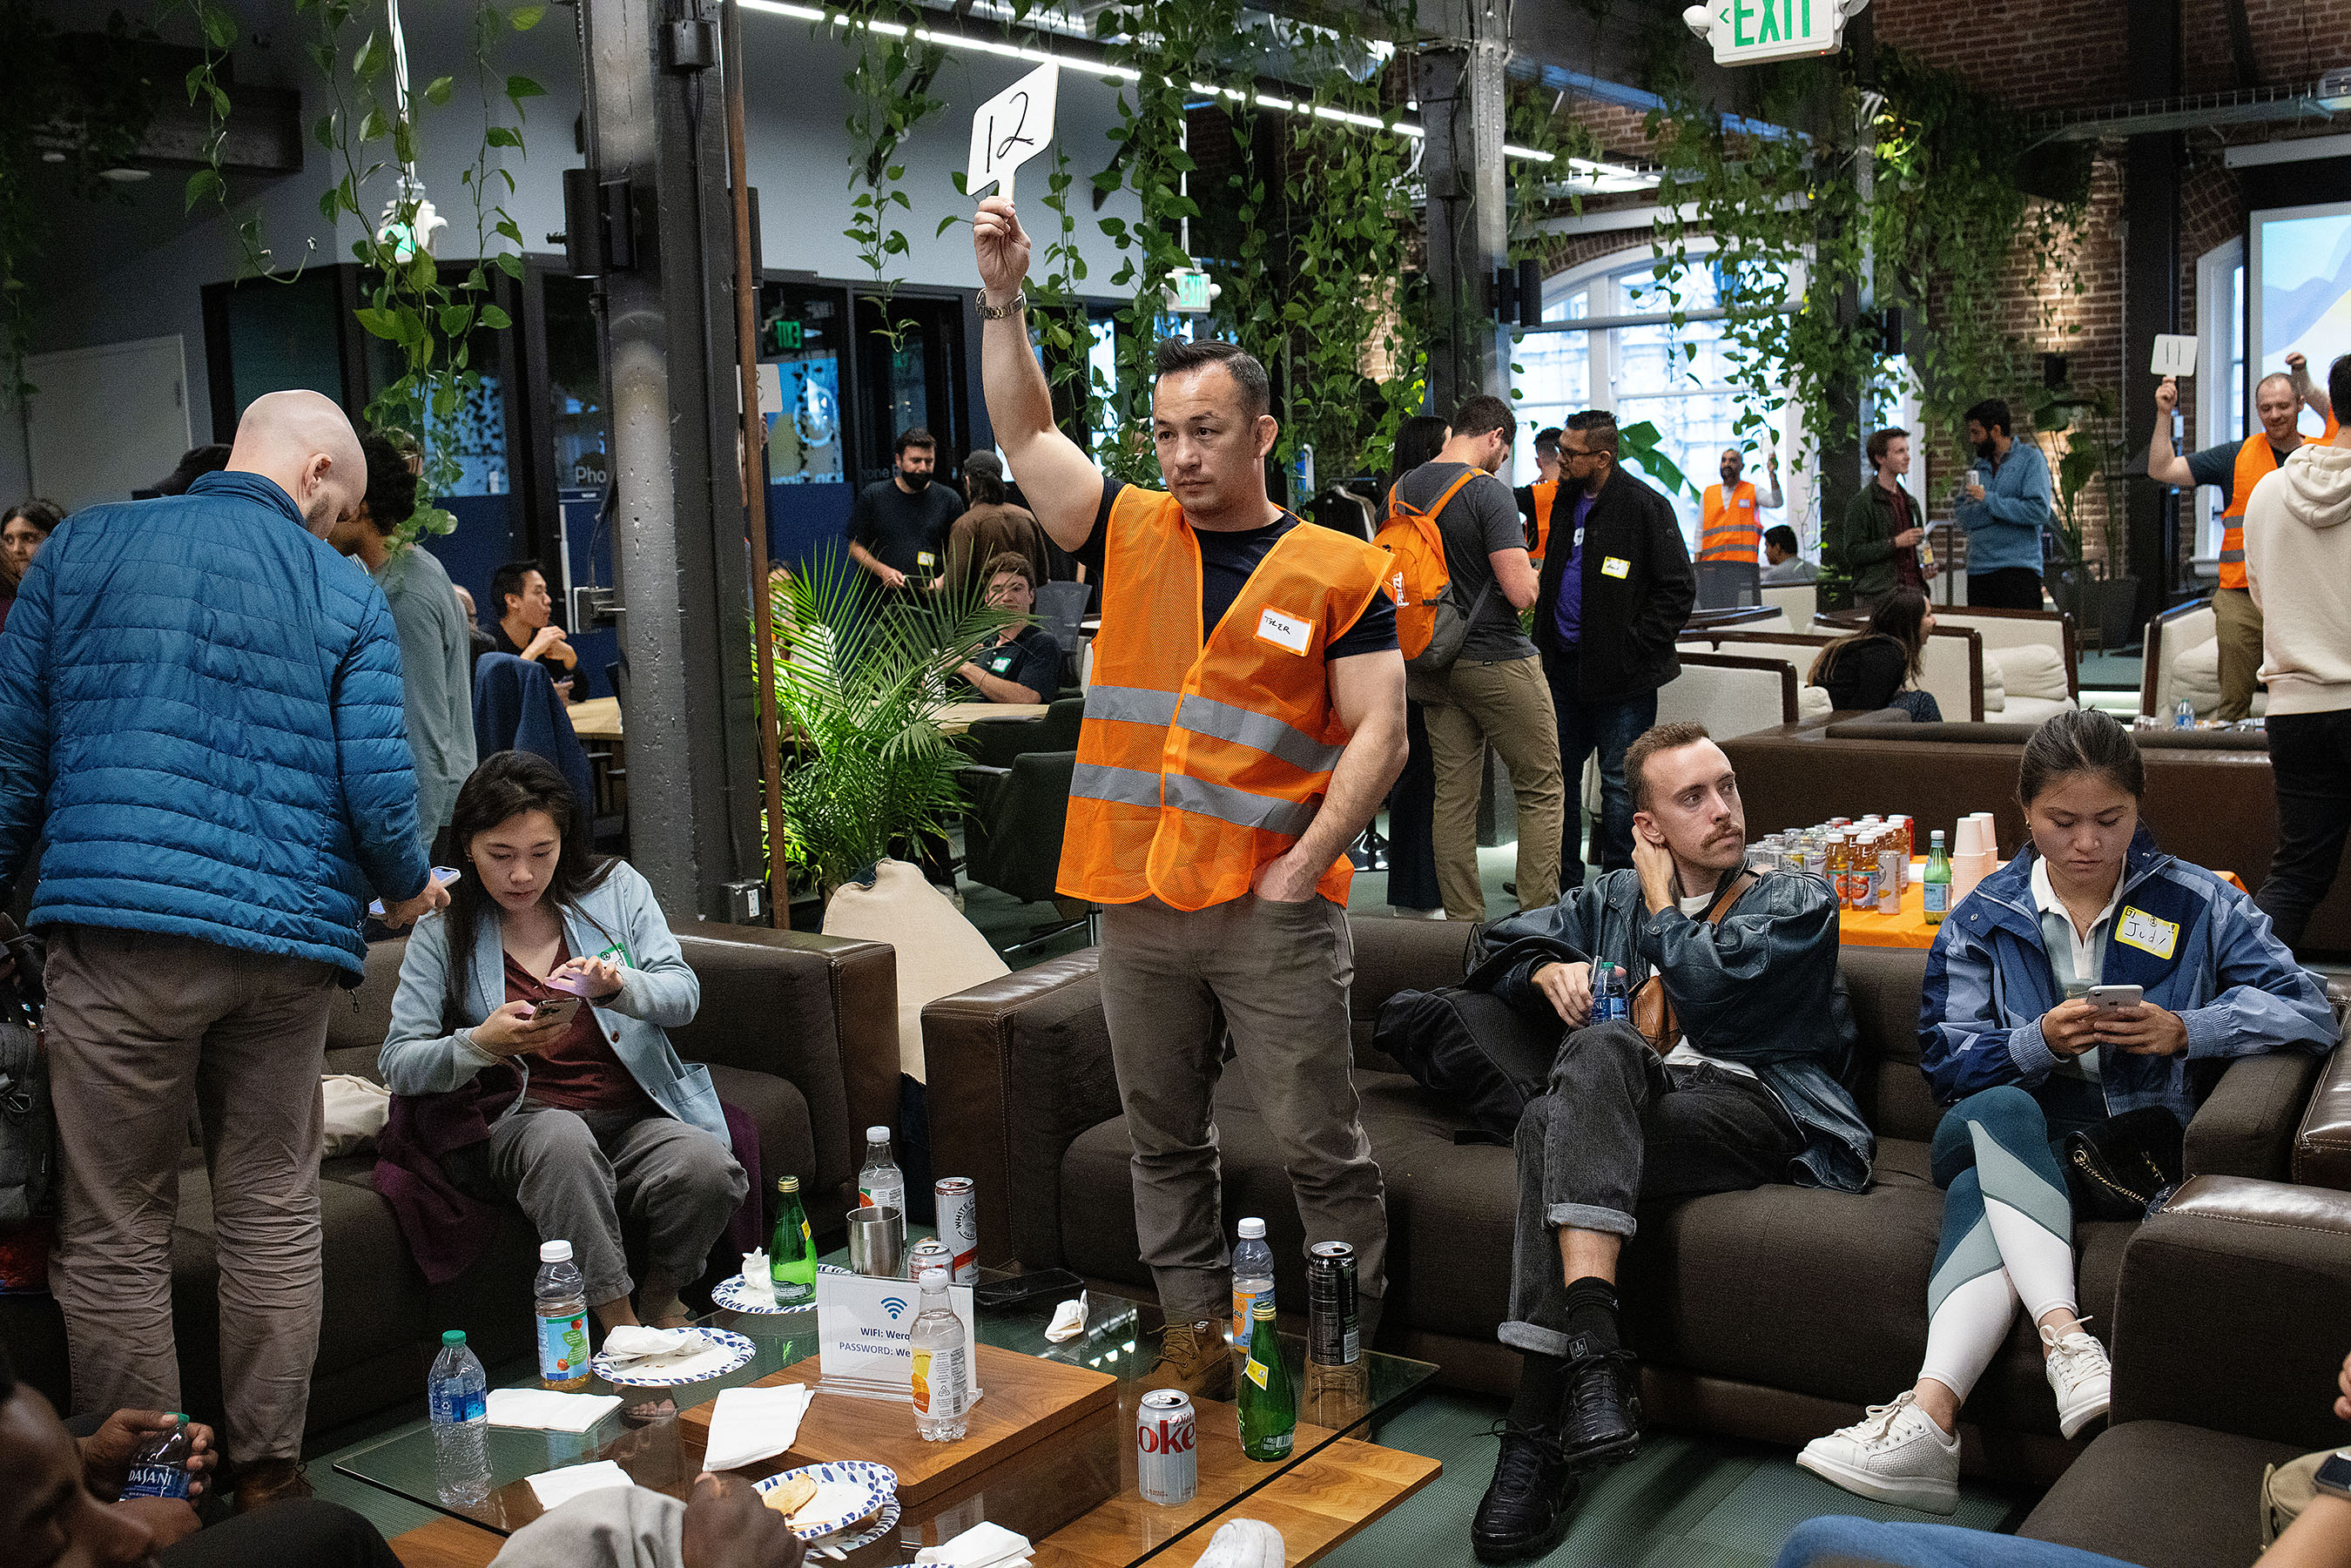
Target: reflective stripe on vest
1202, 757
1732, 531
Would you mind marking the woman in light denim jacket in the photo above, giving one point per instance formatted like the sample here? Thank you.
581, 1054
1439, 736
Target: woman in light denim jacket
591, 1112
2009, 1042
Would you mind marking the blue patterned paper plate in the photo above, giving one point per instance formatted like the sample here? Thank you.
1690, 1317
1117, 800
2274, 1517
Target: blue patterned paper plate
663, 1373
733, 1295
847, 1492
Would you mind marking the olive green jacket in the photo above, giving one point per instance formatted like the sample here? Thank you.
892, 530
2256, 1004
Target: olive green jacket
1862, 542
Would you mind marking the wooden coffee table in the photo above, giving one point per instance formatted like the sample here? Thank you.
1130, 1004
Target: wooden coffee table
1073, 1494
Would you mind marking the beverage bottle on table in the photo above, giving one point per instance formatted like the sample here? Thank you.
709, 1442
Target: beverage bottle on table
456, 1395
1269, 1404
160, 1468
1936, 883
562, 1304
1252, 1276
879, 1182
942, 1377
2183, 716
791, 1251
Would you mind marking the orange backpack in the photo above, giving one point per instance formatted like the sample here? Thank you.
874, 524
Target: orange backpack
1431, 620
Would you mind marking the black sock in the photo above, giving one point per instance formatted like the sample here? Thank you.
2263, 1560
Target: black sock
1592, 1312
1542, 1378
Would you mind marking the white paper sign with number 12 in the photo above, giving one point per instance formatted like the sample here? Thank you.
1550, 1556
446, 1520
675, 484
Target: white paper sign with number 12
1010, 129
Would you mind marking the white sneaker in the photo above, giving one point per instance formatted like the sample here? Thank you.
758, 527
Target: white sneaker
1895, 1454
2079, 1372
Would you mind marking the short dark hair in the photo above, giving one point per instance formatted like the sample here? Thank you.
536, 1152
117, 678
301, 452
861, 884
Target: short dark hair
1012, 561
1992, 414
2079, 740
1418, 440
1547, 441
507, 580
391, 487
1179, 354
1782, 535
194, 463
1598, 426
1483, 415
1669, 736
43, 515
917, 436
1879, 440
2338, 382
983, 478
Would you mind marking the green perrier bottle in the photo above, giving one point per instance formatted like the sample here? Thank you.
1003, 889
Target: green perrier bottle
791, 1253
1269, 1404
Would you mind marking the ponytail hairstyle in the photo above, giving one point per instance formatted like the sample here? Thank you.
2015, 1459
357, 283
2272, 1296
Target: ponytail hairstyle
2080, 740
508, 784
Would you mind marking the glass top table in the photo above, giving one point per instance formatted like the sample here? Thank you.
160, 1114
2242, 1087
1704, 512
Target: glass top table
1081, 1481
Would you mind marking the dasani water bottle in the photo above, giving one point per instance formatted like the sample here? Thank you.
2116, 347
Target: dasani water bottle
457, 1395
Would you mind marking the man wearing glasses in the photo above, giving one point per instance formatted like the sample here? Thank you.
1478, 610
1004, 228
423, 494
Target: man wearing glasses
1616, 587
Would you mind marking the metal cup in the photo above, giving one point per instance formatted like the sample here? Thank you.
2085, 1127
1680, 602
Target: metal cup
877, 1242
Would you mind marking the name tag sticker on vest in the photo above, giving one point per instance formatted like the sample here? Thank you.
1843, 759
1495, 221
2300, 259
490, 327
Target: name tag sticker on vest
1291, 631
2144, 932
1615, 566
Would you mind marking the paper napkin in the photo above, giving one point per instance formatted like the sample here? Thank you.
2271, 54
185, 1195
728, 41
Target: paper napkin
543, 1409
556, 1488
748, 1425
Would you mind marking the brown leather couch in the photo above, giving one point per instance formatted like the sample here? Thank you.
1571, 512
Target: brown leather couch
1772, 1314
798, 1030
2210, 796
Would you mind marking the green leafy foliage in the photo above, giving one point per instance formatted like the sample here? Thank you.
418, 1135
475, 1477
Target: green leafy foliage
889, 79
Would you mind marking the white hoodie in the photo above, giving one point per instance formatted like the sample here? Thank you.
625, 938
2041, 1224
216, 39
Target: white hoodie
2298, 564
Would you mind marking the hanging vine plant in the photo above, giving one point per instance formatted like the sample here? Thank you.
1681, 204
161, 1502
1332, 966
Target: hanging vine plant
889, 79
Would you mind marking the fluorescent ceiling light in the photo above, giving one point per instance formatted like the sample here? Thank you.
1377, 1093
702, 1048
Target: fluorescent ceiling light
1121, 73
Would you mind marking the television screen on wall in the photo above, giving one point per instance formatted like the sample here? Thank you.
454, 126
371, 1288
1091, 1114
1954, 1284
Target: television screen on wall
2300, 264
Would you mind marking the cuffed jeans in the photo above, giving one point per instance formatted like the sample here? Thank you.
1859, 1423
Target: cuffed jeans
1275, 975
1609, 729
2310, 757
576, 1171
1615, 1127
146, 1033
1504, 704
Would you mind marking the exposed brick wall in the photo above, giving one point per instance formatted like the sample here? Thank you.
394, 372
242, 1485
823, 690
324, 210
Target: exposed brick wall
2050, 55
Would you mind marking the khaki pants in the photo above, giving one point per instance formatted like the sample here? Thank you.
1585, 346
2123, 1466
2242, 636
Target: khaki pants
1505, 703
146, 1031
1276, 975
2237, 621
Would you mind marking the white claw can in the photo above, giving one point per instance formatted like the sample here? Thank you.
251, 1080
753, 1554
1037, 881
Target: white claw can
1166, 1458
959, 1226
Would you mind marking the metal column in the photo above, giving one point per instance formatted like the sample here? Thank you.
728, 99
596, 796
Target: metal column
1459, 85
2152, 167
678, 549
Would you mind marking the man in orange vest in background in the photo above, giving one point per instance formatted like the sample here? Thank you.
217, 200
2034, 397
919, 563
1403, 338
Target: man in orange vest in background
1733, 527
1245, 717
1536, 501
2234, 468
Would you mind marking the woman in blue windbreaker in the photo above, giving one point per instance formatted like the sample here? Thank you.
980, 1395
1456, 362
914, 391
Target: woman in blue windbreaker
2022, 1059
589, 1112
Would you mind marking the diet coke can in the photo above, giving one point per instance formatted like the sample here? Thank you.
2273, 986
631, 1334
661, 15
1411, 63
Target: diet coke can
1166, 1462
959, 1226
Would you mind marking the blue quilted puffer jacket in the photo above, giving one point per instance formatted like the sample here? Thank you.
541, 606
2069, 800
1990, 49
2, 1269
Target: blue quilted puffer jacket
199, 706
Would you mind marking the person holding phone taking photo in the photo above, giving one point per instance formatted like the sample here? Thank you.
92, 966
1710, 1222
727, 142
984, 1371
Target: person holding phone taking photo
543, 993
2014, 1040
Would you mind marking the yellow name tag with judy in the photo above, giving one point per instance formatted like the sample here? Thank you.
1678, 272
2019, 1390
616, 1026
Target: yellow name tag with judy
1615, 566
2143, 931
1292, 633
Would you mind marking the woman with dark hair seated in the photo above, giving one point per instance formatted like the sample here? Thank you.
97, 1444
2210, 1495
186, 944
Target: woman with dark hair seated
1870, 669
591, 1112
2012, 1042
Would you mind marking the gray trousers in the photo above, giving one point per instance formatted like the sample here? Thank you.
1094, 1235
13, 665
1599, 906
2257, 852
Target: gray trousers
576, 1174
1276, 975
147, 1032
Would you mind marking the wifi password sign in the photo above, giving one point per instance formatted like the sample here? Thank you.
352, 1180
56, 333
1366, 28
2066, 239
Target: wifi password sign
895, 1306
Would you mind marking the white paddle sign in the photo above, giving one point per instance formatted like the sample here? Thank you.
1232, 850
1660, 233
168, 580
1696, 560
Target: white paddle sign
1010, 129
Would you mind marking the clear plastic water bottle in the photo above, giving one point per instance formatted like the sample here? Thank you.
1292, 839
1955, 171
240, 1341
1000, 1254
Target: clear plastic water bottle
457, 1395
1609, 1002
1252, 1276
160, 1468
879, 1182
942, 1375
562, 1304
2183, 715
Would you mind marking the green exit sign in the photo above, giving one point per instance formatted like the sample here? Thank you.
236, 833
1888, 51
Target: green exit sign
783, 336
1750, 32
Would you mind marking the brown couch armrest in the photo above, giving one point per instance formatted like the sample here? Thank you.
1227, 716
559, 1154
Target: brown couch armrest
2234, 1311
2322, 1145
2245, 1126
1016, 1070
822, 1011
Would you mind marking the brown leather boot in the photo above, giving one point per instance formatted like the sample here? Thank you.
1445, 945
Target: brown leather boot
265, 1481
1193, 1357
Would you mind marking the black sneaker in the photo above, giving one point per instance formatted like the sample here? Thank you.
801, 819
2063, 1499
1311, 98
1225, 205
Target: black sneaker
1600, 1413
1524, 1511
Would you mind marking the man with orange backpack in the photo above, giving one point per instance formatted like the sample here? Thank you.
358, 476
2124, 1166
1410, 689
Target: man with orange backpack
1454, 530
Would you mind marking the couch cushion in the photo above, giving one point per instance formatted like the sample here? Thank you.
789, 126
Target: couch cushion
2195, 675
2030, 670
2033, 710
1995, 689
787, 1141
2161, 1495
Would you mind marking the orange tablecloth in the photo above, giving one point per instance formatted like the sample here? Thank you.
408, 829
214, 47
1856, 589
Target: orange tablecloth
1868, 928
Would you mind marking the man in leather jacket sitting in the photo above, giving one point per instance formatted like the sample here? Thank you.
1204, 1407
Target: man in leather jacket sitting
1741, 1088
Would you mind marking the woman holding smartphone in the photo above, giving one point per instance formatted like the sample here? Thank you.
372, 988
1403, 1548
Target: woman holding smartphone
543, 990
2011, 1042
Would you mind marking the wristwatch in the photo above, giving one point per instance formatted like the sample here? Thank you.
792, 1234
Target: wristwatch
1009, 309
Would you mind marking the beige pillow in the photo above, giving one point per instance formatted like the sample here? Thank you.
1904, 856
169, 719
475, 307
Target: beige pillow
1812, 703
939, 952
1995, 687
2030, 670
2195, 675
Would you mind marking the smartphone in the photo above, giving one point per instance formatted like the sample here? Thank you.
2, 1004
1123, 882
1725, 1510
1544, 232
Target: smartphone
444, 874
560, 1011
2108, 996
